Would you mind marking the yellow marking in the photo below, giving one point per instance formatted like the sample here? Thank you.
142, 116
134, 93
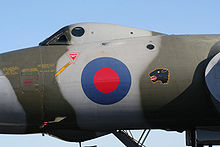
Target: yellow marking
46, 71
13, 70
46, 66
29, 70
62, 69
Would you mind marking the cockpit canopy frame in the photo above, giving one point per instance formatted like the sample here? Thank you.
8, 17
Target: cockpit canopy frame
61, 37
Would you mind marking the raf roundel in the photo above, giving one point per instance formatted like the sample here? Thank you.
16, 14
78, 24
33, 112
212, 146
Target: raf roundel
106, 80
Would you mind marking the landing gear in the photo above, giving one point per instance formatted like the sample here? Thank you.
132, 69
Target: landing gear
127, 138
80, 145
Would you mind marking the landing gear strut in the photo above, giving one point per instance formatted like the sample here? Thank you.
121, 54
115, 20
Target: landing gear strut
127, 138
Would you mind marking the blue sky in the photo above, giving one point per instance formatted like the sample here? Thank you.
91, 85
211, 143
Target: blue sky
25, 23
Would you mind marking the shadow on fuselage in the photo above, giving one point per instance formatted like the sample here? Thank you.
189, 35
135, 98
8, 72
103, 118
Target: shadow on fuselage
191, 108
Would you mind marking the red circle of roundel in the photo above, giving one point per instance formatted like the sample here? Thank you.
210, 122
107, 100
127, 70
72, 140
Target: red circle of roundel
106, 80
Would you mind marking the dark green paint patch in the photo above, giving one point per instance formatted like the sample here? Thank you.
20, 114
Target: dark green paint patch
31, 73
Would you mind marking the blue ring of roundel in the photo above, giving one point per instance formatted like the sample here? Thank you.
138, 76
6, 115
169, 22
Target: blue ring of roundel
93, 93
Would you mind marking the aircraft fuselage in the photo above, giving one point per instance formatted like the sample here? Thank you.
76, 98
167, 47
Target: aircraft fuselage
130, 82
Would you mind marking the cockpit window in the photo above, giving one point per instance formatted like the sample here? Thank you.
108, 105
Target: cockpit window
58, 38
78, 31
62, 38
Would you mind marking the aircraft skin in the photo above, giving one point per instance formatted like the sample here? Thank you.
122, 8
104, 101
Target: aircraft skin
111, 77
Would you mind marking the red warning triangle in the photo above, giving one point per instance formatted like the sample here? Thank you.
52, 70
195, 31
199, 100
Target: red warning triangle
73, 56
